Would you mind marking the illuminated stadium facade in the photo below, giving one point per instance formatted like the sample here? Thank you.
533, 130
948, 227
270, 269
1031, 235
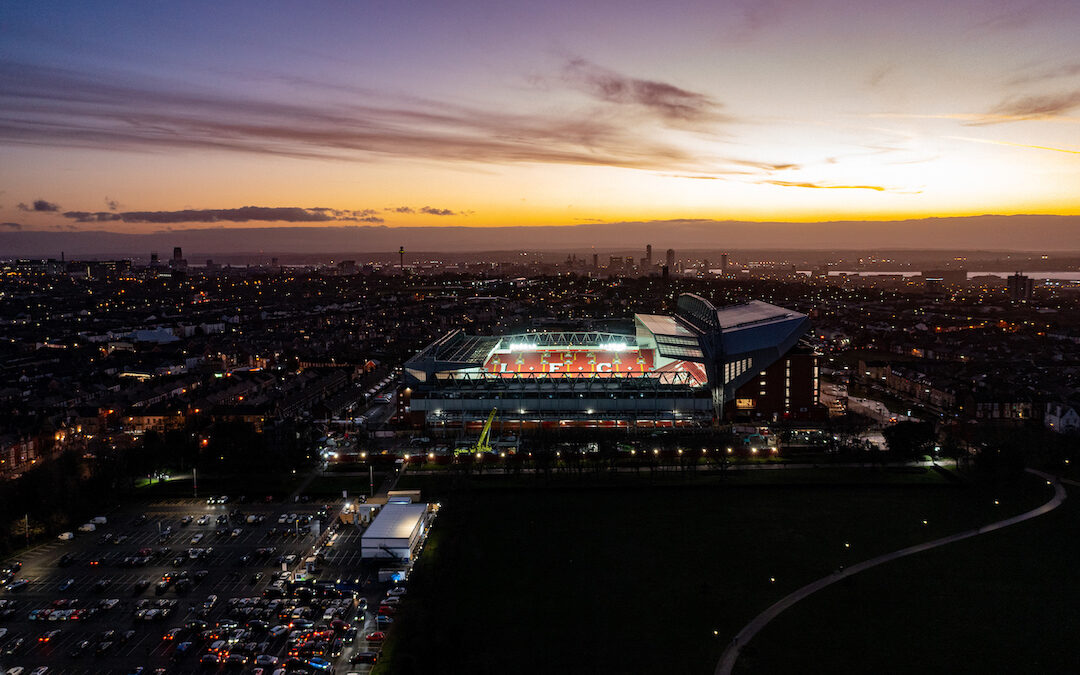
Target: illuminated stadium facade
702, 364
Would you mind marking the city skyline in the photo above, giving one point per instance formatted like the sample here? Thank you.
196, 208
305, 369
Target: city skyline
503, 115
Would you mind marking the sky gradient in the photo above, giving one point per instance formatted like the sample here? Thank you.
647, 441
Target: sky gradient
136, 117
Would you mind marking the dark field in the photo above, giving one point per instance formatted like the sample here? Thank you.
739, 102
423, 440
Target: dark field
1000, 603
636, 579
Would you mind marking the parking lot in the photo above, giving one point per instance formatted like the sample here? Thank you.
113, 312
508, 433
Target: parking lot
111, 580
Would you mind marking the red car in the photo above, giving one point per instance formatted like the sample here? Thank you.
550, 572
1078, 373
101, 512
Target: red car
387, 610
377, 636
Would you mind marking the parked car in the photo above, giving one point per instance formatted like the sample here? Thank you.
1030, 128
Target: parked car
365, 657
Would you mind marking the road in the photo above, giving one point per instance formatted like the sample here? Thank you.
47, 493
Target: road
731, 654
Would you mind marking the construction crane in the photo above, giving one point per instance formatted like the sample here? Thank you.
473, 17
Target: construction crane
482, 444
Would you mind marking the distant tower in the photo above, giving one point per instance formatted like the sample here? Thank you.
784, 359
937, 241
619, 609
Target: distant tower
1020, 287
705, 266
723, 263
670, 259
596, 261
648, 254
154, 259
178, 263
401, 257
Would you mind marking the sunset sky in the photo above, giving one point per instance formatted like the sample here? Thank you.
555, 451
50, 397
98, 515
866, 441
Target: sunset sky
133, 117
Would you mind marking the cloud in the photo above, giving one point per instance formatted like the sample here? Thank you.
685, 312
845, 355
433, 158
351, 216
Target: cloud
680, 175
824, 186
402, 209
1039, 107
11, 226
40, 205
974, 119
1062, 70
241, 215
765, 166
112, 204
668, 102
46, 106
431, 211
1011, 18
1014, 145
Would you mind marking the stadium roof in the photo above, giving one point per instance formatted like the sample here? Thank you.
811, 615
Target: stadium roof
756, 325
457, 350
396, 521
675, 339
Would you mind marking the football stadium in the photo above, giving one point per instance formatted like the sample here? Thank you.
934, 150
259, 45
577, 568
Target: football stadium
702, 365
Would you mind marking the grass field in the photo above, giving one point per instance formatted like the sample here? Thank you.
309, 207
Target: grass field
636, 578
255, 486
1005, 602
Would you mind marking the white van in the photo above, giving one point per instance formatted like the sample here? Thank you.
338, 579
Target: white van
66, 536
100, 520
87, 527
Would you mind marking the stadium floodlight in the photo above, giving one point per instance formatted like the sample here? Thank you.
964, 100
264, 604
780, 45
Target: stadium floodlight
615, 347
522, 346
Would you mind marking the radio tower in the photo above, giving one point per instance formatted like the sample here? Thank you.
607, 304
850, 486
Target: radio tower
401, 255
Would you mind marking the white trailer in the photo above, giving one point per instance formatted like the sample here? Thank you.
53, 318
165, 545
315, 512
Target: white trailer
395, 533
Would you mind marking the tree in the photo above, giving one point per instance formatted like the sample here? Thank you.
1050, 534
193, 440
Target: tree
909, 440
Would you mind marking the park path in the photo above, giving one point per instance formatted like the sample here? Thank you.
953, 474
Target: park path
728, 658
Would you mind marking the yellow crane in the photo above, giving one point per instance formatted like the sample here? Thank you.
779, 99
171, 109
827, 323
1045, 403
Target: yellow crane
482, 444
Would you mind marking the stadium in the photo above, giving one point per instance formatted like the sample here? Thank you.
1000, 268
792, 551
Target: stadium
701, 365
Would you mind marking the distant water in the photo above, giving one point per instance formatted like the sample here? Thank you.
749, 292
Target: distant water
1038, 276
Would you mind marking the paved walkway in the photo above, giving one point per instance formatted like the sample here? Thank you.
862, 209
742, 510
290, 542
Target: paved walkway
647, 465
727, 660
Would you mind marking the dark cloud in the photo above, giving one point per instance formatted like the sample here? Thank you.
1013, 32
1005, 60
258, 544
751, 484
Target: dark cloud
431, 211
41, 206
824, 186
112, 204
402, 209
11, 226
765, 166
880, 74
1036, 107
755, 16
241, 215
66, 108
670, 103
1052, 73
92, 217
1013, 18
